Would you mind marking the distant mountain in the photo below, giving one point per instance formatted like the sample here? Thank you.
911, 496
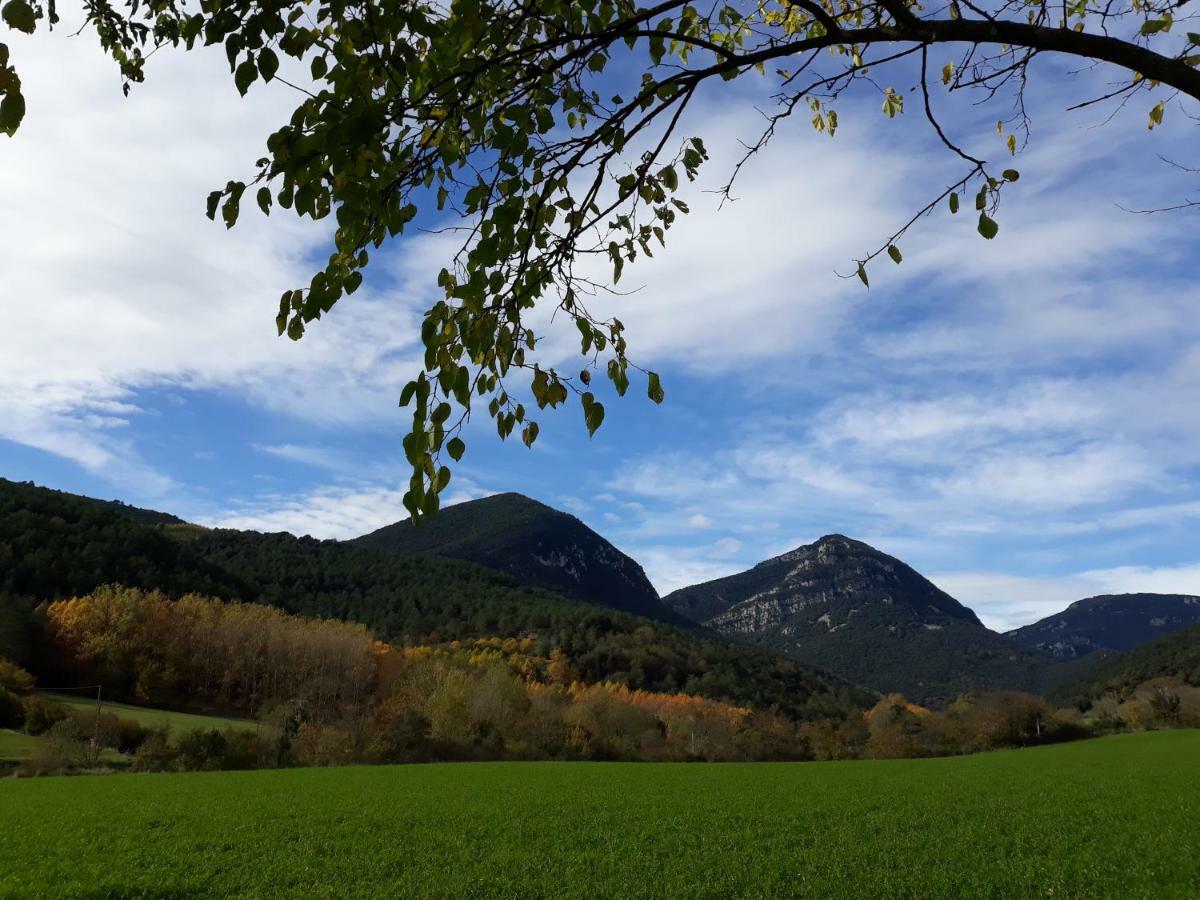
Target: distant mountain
533, 543
1174, 655
866, 616
1108, 622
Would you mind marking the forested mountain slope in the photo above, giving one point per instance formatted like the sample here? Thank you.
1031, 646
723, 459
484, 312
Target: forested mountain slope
535, 544
1174, 655
55, 545
843, 605
1108, 622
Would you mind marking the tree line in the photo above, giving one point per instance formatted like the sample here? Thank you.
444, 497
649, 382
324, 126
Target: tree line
326, 693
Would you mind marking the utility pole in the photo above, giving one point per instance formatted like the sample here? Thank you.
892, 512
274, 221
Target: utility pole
96, 727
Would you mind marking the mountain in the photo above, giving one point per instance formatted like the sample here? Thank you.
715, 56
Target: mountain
533, 543
54, 544
1174, 655
866, 616
1108, 622
134, 513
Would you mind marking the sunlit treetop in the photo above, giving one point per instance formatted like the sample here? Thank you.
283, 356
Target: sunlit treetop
503, 117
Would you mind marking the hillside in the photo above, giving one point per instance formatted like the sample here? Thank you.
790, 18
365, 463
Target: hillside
535, 544
56, 545
1175, 655
1108, 622
866, 616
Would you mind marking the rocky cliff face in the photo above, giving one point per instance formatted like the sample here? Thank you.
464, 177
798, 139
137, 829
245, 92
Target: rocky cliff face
1108, 622
842, 604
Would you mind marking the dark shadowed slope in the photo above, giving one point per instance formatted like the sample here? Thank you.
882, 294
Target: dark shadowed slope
1174, 655
843, 605
533, 543
1108, 622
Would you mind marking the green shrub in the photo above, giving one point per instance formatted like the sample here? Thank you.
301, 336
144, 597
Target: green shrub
202, 750
12, 713
156, 753
41, 714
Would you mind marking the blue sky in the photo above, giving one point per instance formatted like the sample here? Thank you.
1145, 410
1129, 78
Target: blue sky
1018, 419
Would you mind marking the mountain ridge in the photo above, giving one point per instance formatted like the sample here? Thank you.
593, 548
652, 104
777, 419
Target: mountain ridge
1108, 622
846, 606
534, 543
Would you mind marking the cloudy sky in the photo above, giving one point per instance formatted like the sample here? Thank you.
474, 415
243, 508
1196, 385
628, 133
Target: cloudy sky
1018, 419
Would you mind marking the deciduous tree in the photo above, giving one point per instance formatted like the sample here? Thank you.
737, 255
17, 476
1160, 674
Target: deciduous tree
547, 134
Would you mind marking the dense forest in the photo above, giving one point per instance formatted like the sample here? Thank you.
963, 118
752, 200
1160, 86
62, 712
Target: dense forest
1118, 675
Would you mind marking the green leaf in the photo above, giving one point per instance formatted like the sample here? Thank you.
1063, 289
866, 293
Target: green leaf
654, 388
443, 478
1011, 174
1153, 26
1156, 115
268, 63
214, 200
264, 199
953, 202
529, 434
456, 448
893, 103
19, 15
987, 226
12, 111
593, 413
244, 76
894, 252
862, 275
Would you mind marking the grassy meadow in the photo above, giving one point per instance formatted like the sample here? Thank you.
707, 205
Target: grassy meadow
1114, 817
15, 746
149, 717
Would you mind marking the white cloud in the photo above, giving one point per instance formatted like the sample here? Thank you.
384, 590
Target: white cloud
1005, 601
1049, 479
318, 457
331, 512
115, 282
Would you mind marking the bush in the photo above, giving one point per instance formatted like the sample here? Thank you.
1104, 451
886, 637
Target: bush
202, 750
155, 753
41, 714
14, 677
12, 713
247, 750
127, 736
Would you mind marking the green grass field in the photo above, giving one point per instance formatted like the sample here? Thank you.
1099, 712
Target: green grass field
1115, 817
145, 715
16, 746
